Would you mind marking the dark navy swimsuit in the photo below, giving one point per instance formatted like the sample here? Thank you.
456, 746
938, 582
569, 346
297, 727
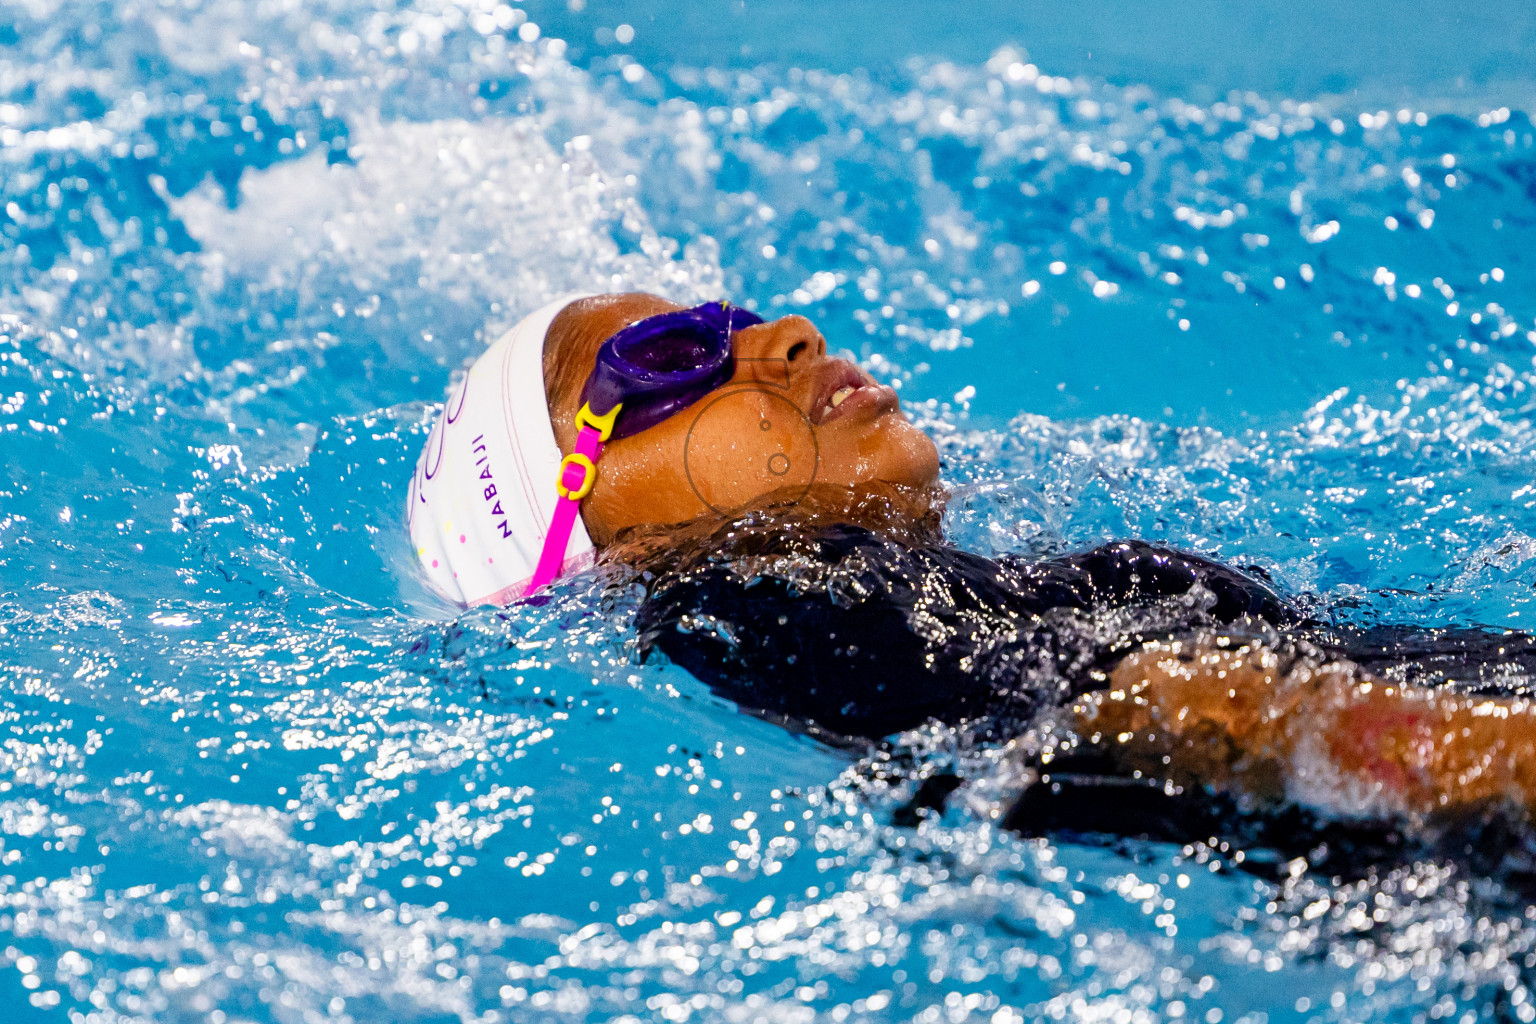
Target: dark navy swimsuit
859, 636
853, 637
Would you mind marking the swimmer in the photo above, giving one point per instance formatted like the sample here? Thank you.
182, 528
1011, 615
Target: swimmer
783, 514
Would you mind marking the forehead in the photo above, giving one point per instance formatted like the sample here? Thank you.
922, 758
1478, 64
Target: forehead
575, 335
582, 327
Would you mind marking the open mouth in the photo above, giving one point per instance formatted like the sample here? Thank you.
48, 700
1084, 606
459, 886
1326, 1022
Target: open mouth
845, 390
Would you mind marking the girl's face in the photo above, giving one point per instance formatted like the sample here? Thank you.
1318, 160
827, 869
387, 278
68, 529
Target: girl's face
791, 424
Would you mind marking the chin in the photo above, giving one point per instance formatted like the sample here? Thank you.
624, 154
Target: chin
909, 458
918, 477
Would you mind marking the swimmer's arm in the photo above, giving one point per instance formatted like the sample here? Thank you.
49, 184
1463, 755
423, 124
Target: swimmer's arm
1242, 721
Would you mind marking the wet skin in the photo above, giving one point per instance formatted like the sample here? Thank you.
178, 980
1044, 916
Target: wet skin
1240, 719
771, 431
1326, 734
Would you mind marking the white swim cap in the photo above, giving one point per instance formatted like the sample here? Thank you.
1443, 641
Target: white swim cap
483, 493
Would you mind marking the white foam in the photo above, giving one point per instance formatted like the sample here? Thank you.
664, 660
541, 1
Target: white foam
487, 215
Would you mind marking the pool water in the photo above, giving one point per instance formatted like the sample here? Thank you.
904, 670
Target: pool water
1277, 306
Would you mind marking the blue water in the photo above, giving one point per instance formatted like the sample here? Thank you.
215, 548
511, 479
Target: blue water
1254, 280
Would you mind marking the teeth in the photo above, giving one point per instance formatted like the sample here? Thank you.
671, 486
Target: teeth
841, 395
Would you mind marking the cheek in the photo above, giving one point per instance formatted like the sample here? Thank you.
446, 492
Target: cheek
746, 444
728, 451
640, 481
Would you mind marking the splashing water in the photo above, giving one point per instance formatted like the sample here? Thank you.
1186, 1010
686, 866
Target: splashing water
254, 771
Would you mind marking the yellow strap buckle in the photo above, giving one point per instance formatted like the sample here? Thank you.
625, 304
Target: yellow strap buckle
602, 424
588, 478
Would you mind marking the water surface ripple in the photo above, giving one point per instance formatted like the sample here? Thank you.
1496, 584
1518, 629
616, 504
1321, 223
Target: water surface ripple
252, 770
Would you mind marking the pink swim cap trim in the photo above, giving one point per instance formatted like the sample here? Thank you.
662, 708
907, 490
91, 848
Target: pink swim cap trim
518, 591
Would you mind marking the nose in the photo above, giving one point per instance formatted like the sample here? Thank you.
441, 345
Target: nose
775, 350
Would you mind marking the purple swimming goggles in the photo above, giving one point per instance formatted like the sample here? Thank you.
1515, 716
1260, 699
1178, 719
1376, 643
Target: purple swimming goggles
644, 374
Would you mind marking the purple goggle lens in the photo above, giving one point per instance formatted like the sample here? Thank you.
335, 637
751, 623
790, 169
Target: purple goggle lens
664, 363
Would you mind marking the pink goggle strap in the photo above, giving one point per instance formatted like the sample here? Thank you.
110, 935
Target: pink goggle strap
577, 475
